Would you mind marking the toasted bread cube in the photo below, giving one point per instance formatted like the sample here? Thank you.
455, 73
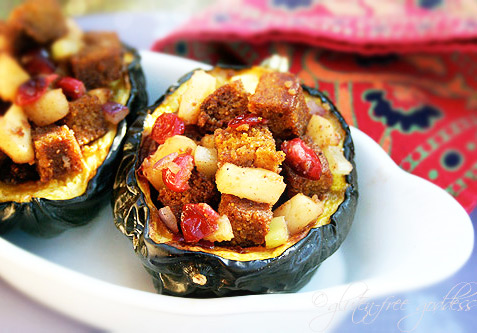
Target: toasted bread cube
249, 219
86, 119
223, 105
40, 21
15, 135
299, 211
12, 76
254, 184
57, 152
201, 189
254, 147
196, 89
100, 61
298, 184
49, 108
280, 99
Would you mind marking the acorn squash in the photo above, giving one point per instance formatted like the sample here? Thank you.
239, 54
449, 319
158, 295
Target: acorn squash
207, 269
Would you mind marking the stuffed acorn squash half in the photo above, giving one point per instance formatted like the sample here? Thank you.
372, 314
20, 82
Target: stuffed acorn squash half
236, 181
64, 97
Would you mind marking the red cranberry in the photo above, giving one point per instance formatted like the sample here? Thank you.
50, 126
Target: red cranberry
247, 119
177, 173
72, 88
198, 221
114, 112
302, 159
32, 90
166, 126
36, 62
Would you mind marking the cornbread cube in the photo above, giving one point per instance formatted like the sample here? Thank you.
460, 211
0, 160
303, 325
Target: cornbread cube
298, 184
86, 119
99, 62
249, 219
222, 106
201, 189
38, 21
57, 152
280, 99
251, 147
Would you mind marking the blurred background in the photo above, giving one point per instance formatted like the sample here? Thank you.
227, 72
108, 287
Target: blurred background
83, 7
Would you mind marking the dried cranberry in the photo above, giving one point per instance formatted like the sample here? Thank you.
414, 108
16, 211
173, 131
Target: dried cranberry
198, 221
177, 173
36, 62
32, 90
166, 126
72, 88
114, 112
302, 159
247, 119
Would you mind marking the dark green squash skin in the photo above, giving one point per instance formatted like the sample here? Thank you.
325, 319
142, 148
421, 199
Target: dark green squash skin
173, 269
48, 218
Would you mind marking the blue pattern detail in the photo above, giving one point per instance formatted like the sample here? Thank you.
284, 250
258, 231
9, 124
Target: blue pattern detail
452, 159
181, 48
430, 4
292, 4
420, 118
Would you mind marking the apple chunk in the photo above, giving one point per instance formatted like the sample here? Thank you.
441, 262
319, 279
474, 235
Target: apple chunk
176, 144
11, 77
338, 163
51, 107
256, 184
322, 132
278, 233
15, 136
206, 160
299, 211
199, 86
224, 231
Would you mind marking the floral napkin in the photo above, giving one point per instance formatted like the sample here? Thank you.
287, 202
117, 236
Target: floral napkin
403, 71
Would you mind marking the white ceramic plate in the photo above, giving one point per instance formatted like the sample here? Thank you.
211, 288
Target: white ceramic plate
407, 234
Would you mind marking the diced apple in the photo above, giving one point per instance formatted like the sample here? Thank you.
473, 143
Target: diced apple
338, 163
206, 160
278, 232
208, 141
15, 136
322, 132
256, 184
224, 231
299, 211
103, 94
69, 44
199, 86
176, 144
51, 107
249, 81
12, 76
